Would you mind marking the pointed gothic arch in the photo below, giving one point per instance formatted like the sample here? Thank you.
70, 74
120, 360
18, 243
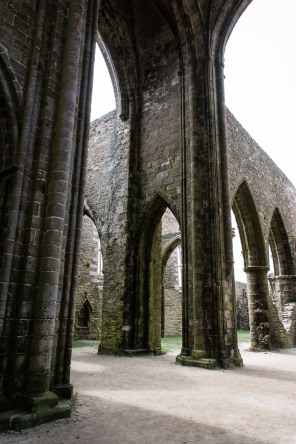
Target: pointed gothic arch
147, 310
256, 265
249, 226
171, 286
84, 314
280, 246
174, 243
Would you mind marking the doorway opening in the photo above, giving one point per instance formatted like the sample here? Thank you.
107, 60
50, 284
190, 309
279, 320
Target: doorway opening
171, 306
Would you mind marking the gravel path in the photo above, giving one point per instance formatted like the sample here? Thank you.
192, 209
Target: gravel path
150, 399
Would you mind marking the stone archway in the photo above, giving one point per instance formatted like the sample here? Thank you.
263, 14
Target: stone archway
148, 308
256, 265
282, 284
172, 91
172, 297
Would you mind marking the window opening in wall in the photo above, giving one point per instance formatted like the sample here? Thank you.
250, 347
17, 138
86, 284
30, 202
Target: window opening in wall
179, 258
271, 276
103, 98
84, 316
271, 264
100, 259
89, 284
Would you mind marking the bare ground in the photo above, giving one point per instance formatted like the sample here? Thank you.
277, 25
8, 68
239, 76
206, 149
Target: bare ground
150, 399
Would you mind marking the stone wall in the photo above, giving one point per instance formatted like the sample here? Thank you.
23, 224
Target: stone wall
248, 163
242, 309
89, 285
269, 186
172, 297
167, 149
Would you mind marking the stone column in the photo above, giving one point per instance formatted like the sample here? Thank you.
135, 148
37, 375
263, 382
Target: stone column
258, 306
206, 222
155, 292
62, 385
228, 328
38, 376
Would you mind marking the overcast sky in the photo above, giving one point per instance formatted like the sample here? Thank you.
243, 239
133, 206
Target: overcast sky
260, 87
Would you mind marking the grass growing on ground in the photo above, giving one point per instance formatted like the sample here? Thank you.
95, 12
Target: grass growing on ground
171, 342
243, 336
168, 343
80, 344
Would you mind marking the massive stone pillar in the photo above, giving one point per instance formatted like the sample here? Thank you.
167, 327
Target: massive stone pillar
214, 329
258, 306
162, 52
40, 257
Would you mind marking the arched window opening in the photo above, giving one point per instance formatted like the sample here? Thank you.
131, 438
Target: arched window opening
84, 316
89, 288
103, 97
160, 236
100, 259
171, 280
255, 266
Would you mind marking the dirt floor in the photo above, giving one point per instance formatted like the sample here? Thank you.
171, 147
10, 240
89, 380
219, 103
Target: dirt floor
150, 399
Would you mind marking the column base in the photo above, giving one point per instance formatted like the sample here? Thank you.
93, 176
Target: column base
137, 352
197, 359
238, 361
37, 403
50, 408
258, 349
63, 391
7, 404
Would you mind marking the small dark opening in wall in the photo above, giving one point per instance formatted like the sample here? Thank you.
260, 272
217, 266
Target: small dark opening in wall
83, 318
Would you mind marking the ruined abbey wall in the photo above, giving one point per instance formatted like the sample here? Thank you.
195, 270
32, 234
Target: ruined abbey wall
248, 162
88, 313
167, 149
269, 186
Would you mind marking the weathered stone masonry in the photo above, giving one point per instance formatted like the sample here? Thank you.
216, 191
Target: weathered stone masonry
88, 315
167, 59
270, 189
45, 54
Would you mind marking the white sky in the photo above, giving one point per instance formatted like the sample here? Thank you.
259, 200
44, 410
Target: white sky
260, 87
103, 99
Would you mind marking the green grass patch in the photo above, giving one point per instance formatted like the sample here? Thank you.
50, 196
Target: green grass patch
168, 343
80, 344
243, 336
171, 342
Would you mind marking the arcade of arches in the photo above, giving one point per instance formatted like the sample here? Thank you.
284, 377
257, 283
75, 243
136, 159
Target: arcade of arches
167, 146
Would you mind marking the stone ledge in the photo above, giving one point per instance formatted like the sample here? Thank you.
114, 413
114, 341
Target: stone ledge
207, 363
137, 352
18, 419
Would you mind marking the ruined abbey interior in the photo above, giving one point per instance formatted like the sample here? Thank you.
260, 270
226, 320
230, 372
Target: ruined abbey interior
145, 193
